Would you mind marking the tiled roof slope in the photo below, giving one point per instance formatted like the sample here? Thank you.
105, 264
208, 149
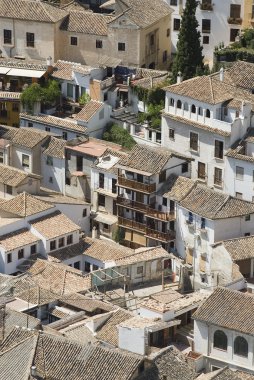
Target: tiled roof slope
24, 205
240, 248
85, 303
59, 278
142, 255
86, 22
64, 69
241, 74
89, 110
17, 239
215, 205
147, 159
12, 176
144, 14
68, 252
53, 225
105, 250
31, 10
229, 309
28, 137
177, 188
55, 147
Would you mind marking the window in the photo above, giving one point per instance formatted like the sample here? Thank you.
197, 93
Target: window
168, 32
218, 149
9, 189
101, 200
233, 34
165, 56
87, 266
33, 249
49, 160
20, 254
241, 346
1, 157
193, 108
30, 39
152, 40
50, 179
177, 24
201, 171
220, 340
194, 141
15, 108
77, 265
30, 125
69, 239
52, 245
239, 172
202, 225
121, 46
247, 234
47, 129
171, 134
114, 189
105, 227
25, 161
101, 180
218, 176
7, 36
61, 242
68, 181
69, 90
179, 104
206, 26
140, 270
207, 113
162, 176
74, 41
239, 195
185, 167
190, 218
173, 2
206, 40
247, 218
9, 258
235, 11
65, 135
164, 201
171, 102
98, 44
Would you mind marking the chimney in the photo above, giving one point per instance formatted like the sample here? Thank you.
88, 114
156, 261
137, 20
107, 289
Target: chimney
94, 233
179, 77
49, 63
221, 74
33, 371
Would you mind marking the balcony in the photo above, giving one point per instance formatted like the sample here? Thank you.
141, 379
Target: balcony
163, 216
131, 204
206, 6
158, 235
131, 224
235, 20
135, 185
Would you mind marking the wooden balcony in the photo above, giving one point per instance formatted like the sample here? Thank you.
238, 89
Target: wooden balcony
135, 185
158, 235
163, 216
131, 224
131, 204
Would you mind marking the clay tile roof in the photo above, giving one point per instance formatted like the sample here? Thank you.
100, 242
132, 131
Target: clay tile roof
241, 74
17, 239
105, 250
24, 205
142, 255
88, 304
229, 309
89, 110
12, 176
68, 252
108, 332
28, 137
37, 295
53, 225
177, 188
31, 10
64, 70
240, 248
212, 204
144, 14
54, 147
59, 278
86, 22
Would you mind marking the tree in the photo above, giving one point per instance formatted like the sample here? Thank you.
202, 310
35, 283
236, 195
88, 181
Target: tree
118, 135
47, 95
188, 59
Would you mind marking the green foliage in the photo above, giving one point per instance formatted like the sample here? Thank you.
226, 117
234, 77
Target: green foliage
188, 59
118, 135
84, 98
36, 93
118, 235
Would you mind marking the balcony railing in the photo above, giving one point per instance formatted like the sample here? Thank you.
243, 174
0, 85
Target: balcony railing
235, 20
131, 224
131, 204
135, 185
158, 235
206, 6
152, 213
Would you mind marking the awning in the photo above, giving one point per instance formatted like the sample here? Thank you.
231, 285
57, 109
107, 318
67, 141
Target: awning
107, 219
26, 73
4, 70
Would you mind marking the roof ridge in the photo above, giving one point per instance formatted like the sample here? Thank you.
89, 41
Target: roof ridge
211, 86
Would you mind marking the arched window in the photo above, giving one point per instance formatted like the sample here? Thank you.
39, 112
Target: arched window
200, 111
172, 102
220, 340
208, 113
186, 106
241, 346
193, 108
179, 104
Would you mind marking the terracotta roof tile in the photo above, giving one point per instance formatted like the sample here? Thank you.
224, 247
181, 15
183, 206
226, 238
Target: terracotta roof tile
86, 22
177, 188
104, 250
17, 239
89, 110
240, 248
14, 177
64, 70
55, 147
142, 255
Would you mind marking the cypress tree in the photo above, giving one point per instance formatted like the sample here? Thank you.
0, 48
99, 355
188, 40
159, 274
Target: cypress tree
188, 59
